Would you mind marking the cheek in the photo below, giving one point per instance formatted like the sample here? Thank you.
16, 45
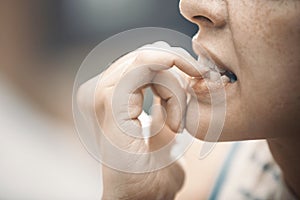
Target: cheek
265, 35
267, 44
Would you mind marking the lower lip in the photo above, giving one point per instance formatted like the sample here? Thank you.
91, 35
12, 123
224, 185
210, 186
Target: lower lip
204, 89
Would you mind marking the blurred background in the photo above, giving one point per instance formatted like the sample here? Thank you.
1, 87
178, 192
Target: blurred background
42, 44
58, 34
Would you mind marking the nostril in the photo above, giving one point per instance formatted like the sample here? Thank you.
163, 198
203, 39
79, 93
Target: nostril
202, 20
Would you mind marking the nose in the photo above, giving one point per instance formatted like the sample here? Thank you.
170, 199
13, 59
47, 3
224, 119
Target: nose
205, 13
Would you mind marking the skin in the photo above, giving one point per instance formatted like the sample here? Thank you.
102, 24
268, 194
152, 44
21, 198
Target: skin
267, 63
264, 59
257, 40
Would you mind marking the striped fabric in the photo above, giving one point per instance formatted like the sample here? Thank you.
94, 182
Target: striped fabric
250, 173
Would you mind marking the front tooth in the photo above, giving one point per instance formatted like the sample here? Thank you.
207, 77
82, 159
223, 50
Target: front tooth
206, 62
201, 62
225, 79
214, 76
210, 64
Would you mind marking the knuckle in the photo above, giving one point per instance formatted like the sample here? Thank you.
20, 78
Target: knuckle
144, 56
141, 57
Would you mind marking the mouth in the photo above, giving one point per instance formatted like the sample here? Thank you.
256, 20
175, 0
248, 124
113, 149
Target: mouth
218, 78
217, 65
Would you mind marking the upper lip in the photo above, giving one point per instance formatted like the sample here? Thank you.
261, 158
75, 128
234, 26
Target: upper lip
211, 55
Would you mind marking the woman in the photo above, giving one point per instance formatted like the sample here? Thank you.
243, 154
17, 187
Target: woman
257, 41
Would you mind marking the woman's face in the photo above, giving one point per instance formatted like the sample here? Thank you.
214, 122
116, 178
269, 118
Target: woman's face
259, 41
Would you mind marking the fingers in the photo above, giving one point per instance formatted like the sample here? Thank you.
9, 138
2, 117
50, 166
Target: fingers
166, 58
156, 57
142, 70
113, 102
173, 98
182, 59
124, 81
161, 133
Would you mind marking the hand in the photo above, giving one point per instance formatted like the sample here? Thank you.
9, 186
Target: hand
114, 101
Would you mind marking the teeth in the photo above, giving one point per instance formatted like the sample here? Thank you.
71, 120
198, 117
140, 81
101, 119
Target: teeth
225, 79
210, 64
214, 76
232, 77
215, 73
206, 62
221, 70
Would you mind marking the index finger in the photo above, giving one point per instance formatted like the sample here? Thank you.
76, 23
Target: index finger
169, 57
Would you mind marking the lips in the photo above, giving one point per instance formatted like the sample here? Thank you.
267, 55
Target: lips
220, 67
217, 80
